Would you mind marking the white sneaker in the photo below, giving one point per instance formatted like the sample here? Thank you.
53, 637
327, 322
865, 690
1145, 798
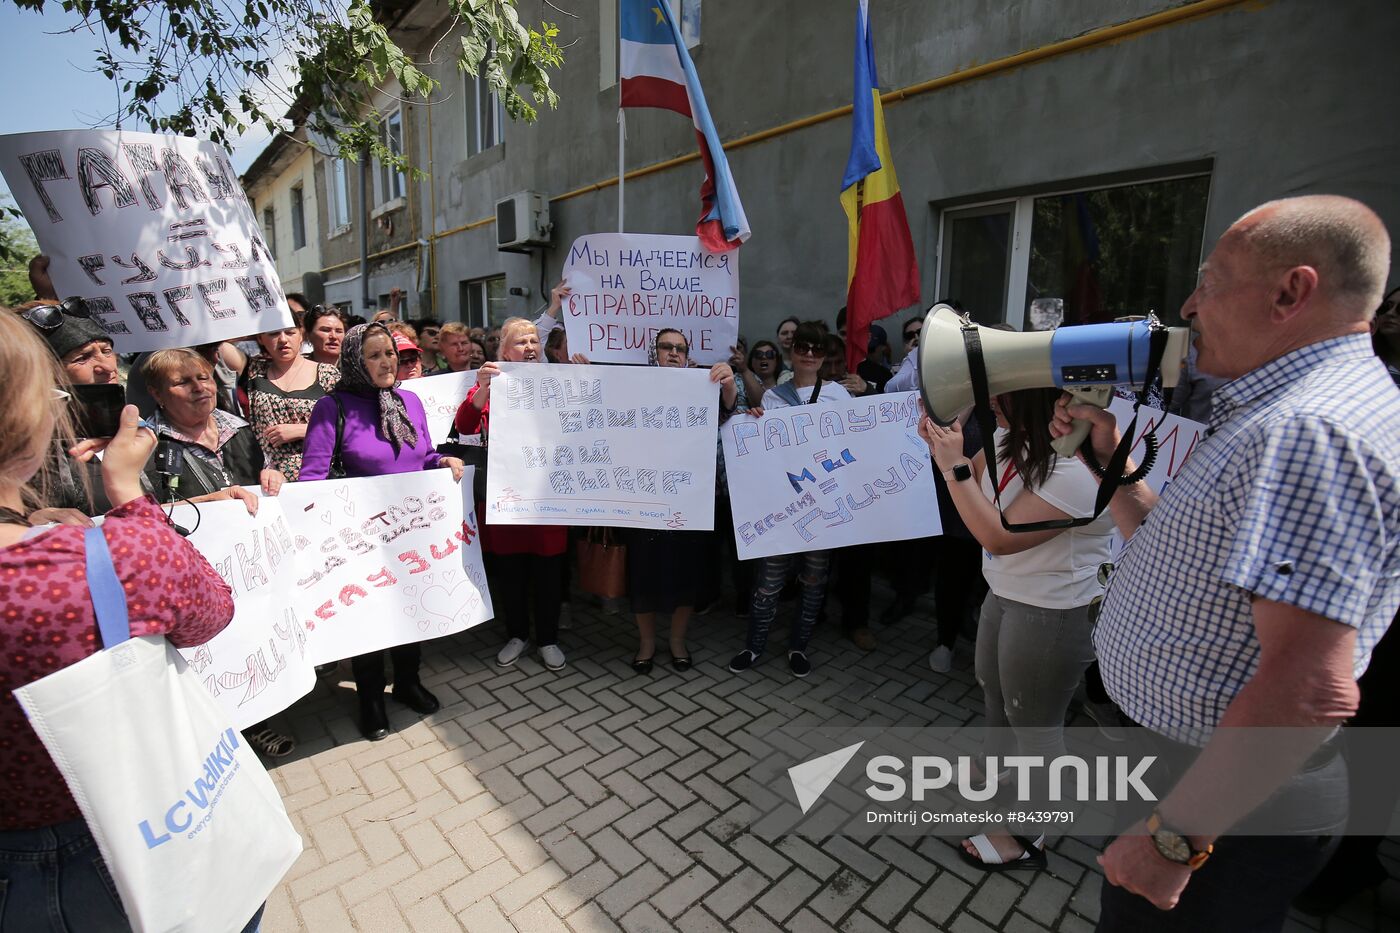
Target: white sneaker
512, 652
553, 657
941, 660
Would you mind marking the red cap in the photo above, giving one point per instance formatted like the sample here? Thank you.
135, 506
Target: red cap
402, 343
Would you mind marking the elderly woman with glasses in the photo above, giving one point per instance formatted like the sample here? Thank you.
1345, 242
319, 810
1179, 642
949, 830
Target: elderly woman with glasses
664, 567
805, 387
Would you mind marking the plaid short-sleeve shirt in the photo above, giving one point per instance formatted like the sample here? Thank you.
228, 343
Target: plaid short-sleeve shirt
1295, 498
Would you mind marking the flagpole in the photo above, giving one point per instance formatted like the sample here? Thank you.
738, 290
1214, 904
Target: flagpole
621, 152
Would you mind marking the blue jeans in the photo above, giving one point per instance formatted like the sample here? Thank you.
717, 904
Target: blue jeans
53, 880
771, 577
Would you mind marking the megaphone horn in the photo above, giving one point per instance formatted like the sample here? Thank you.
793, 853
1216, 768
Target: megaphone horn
1087, 360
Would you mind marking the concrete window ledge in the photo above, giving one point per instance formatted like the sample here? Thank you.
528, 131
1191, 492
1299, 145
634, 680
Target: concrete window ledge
485, 159
388, 207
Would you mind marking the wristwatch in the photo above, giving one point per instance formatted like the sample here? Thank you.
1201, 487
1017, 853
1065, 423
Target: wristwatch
960, 471
1173, 846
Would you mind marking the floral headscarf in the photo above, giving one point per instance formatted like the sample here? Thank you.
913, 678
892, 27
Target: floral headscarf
651, 350
394, 422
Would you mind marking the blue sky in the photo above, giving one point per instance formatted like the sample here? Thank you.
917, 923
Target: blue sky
50, 85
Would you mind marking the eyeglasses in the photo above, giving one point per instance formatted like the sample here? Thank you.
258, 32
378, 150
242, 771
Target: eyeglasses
408, 359
803, 346
765, 354
673, 348
911, 335
50, 317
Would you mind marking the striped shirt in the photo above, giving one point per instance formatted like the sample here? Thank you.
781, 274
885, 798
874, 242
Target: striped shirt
1295, 498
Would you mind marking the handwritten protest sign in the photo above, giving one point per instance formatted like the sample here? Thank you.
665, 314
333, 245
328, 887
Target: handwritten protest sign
153, 231
387, 560
600, 445
441, 397
1177, 438
829, 475
627, 286
258, 665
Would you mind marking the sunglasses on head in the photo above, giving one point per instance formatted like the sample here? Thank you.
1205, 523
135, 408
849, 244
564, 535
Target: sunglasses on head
673, 347
50, 317
802, 346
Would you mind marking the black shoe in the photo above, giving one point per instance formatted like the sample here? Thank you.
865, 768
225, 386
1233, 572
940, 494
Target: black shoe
416, 698
798, 664
897, 610
325, 670
680, 665
742, 661
374, 721
641, 665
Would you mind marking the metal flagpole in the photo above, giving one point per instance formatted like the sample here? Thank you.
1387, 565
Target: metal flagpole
621, 152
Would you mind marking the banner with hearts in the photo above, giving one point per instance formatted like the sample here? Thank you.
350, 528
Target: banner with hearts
385, 560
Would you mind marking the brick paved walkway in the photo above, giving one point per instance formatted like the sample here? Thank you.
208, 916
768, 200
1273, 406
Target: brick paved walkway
595, 799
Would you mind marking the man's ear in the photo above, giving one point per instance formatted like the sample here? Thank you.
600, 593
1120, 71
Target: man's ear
1294, 290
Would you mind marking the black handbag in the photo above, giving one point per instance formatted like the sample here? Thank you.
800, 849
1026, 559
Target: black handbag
472, 455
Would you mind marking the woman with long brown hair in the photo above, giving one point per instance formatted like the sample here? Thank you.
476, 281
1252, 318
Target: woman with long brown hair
1033, 638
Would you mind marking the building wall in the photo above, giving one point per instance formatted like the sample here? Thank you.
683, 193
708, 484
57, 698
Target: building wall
1272, 98
274, 189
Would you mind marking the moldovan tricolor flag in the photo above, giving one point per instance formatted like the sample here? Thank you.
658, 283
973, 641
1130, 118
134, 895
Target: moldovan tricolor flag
656, 71
881, 274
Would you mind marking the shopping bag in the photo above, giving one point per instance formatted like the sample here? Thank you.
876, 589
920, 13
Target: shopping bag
602, 563
191, 827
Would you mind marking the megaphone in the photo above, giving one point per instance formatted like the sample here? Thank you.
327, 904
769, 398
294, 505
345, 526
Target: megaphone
1087, 360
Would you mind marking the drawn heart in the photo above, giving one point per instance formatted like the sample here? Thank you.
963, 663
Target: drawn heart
447, 605
447, 575
326, 516
343, 492
427, 579
350, 509
410, 610
410, 591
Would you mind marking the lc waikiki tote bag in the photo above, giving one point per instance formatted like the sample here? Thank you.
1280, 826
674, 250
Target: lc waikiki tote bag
186, 817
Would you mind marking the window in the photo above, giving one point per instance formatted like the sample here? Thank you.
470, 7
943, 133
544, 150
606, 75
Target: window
1104, 252
486, 115
685, 12
392, 183
483, 302
340, 193
270, 230
298, 218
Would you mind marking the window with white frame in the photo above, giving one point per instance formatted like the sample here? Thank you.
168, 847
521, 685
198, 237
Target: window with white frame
298, 217
340, 193
685, 12
392, 183
270, 230
483, 302
1122, 249
486, 115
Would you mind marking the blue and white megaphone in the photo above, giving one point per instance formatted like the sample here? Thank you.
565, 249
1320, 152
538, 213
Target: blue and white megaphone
1087, 360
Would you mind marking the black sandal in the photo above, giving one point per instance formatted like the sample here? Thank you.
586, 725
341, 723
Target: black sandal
270, 743
680, 665
1031, 859
642, 665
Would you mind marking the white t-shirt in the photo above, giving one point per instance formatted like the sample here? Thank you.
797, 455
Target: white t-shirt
831, 392
1061, 573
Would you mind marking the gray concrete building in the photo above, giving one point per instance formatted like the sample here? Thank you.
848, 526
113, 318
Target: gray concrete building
1084, 150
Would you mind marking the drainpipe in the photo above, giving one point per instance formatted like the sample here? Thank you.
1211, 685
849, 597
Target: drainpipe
364, 233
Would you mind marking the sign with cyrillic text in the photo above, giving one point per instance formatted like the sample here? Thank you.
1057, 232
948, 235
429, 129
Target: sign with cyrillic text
154, 232
1177, 438
258, 665
386, 560
627, 286
829, 475
441, 397
602, 445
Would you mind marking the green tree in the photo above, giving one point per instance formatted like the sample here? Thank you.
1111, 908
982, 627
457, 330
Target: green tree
209, 67
17, 247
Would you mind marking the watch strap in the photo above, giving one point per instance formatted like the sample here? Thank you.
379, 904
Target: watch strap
1197, 857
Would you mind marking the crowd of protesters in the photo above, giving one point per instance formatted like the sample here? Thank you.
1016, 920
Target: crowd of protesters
332, 396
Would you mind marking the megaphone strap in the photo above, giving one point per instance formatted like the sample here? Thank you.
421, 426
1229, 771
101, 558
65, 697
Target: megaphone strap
982, 411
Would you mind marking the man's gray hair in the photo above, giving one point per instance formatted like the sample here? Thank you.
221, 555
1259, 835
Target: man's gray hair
1341, 238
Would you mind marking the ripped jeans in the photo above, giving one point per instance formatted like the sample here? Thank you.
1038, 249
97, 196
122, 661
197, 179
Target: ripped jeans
772, 575
1029, 662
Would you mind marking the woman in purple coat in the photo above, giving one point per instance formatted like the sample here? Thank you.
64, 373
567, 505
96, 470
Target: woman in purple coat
385, 431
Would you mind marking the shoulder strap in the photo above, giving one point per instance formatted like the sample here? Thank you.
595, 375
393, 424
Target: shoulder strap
816, 391
337, 465
108, 597
986, 423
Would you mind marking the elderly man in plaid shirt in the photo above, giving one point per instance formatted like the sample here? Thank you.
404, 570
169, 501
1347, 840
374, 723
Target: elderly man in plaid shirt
1252, 592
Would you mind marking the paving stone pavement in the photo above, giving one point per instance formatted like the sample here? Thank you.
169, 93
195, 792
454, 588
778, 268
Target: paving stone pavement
596, 799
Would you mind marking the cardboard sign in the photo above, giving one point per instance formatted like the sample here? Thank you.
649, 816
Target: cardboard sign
599, 445
441, 397
153, 231
628, 286
829, 475
1177, 438
258, 665
386, 560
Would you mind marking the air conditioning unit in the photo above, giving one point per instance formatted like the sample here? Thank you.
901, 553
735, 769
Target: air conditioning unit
522, 222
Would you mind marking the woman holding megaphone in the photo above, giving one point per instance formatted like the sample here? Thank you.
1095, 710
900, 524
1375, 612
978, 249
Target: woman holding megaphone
1033, 638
